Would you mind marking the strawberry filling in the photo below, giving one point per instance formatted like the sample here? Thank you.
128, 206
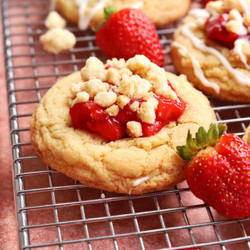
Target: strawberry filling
204, 2
90, 116
216, 30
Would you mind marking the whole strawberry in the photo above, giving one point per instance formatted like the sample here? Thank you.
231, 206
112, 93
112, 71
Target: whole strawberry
127, 33
219, 170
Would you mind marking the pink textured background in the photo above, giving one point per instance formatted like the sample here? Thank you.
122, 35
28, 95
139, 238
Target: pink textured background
8, 225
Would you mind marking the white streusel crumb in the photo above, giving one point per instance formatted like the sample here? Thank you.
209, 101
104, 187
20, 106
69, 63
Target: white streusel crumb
117, 63
54, 20
134, 129
105, 99
134, 106
217, 6
147, 111
113, 76
145, 69
246, 20
233, 26
94, 86
82, 96
234, 4
122, 100
134, 86
93, 68
57, 40
112, 110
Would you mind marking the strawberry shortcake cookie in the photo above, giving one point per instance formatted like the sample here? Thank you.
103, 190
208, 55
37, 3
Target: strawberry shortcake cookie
115, 126
212, 48
89, 13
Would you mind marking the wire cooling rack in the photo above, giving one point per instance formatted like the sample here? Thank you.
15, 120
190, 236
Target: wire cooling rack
54, 211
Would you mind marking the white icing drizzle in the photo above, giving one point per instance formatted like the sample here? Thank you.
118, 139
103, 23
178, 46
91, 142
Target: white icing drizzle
138, 181
236, 14
199, 44
199, 13
197, 69
238, 50
84, 20
137, 5
244, 6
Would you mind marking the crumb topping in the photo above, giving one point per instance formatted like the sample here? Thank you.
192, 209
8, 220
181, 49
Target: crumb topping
134, 129
117, 83
105, 99
54, 20
112, 110
57, 40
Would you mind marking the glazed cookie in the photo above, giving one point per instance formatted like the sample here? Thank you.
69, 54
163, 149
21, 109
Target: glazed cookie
115, 126
90, 13
246, 136
211, 47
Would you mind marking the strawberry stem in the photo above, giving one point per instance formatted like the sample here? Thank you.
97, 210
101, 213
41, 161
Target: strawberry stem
202, 140
108, 11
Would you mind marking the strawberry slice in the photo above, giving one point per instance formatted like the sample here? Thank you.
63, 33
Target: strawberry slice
219, 170
108, 129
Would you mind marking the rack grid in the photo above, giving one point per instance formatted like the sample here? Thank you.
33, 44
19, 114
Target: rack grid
55, 212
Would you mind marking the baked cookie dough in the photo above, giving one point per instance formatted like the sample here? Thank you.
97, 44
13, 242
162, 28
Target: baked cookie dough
246, 136
90, 13
129, 165
212, 67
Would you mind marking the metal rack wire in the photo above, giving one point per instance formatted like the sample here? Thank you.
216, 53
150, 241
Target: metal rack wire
54, 211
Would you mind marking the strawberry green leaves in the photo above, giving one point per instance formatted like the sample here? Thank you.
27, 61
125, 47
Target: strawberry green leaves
202, 140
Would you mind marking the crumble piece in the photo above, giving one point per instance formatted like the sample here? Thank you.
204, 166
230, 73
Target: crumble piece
105, 99
112, 110
134, 129
54, 20
57, 40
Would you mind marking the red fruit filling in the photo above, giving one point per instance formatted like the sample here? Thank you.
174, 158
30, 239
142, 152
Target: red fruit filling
216, 30
204, 2
90, 116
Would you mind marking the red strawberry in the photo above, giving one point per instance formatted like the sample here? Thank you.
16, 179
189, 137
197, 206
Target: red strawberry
219, 170
127, 33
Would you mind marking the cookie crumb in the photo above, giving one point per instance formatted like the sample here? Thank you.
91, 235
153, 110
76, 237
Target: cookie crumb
112, 110
122, 100
134, 87
105, 99
54, 20
82, 96
134, 129
134, 106
57, 40
147, 111
94, 86
94, 68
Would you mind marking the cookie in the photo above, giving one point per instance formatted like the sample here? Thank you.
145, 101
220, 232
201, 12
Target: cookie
216, 62
161, 12
246, 136
134, 164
